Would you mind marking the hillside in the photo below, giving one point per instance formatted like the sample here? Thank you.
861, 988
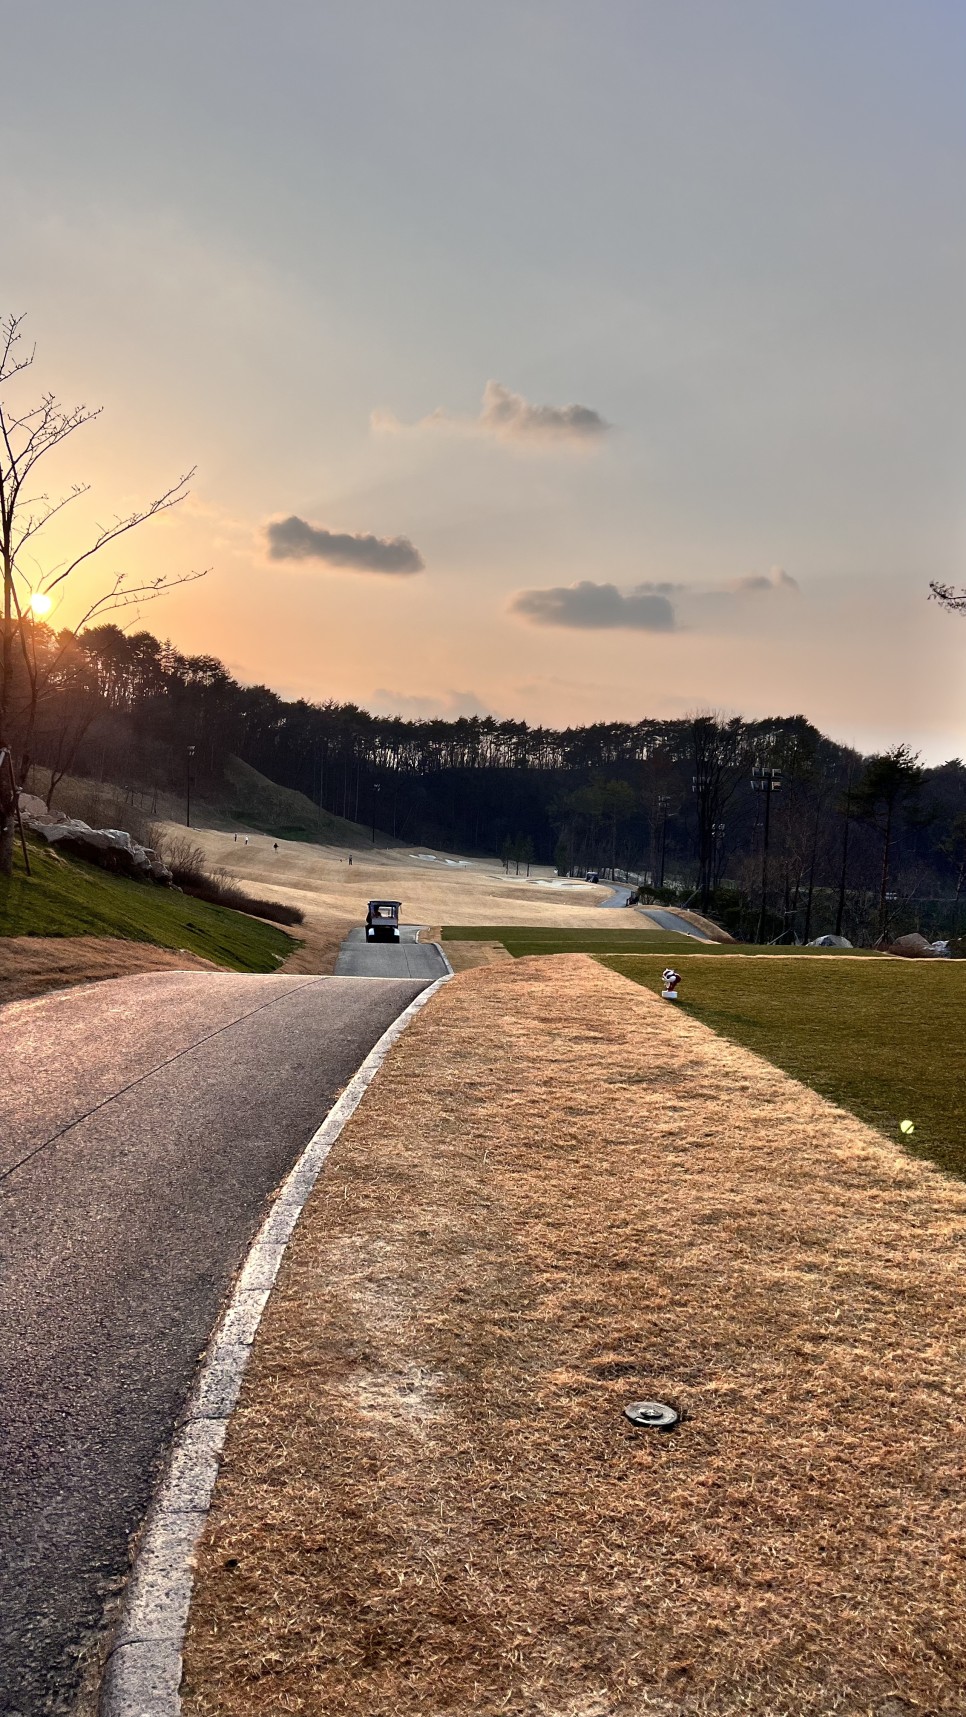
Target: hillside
245, 800
66, 898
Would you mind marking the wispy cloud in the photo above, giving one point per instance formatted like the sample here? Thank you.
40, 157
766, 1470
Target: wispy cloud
649, 607
446, 706
295, 539
590, 607
507, 416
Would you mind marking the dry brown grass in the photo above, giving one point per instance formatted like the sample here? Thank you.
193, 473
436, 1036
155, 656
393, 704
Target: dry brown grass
32, 965
557, 1196
333, 894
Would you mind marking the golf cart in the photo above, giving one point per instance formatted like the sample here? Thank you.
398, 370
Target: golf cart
382, 921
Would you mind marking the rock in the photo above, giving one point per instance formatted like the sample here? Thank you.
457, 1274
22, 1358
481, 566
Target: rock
913, 947
31, 806
113, 849
830, 942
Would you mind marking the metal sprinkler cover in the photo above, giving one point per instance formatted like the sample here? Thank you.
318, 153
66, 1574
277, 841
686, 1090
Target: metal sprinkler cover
655, 1415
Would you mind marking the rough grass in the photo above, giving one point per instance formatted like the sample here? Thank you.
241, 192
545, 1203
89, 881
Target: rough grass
66, 897
560, 1195
255, 802
522, 942
881, 1037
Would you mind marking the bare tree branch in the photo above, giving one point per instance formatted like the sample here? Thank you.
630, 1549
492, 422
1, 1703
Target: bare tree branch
955, 600
26, 437
171, 498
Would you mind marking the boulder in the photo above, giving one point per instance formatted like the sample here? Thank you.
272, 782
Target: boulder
830, 942
34, 811
913, 947
31, 806
113, 849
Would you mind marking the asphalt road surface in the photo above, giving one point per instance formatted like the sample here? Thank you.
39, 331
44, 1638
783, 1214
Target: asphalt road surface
671, 921
406, 958
143, 1125
619, 896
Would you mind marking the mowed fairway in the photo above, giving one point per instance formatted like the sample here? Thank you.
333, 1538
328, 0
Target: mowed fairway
631, 935
880, 1037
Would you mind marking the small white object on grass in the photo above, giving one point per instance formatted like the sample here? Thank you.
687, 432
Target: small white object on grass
671, 981
907, 1127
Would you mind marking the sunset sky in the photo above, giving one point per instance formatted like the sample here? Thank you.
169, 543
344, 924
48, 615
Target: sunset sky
571, 361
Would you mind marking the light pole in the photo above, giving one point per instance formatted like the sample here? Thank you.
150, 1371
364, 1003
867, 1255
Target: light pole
663, 805
717, 851
767, 781
702, 786
187, 785
375, 790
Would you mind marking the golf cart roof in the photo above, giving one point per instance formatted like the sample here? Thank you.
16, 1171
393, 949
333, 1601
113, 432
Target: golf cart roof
374, 903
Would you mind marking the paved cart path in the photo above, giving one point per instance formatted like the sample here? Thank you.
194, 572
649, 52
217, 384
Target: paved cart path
143, 1125
406, 958
673, 921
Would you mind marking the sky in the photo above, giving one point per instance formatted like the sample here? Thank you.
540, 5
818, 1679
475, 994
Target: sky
562, 361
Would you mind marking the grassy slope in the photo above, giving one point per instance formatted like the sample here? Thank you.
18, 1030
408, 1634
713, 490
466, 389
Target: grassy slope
879, 1037
254, 800
64, 897
521, 942
246, 800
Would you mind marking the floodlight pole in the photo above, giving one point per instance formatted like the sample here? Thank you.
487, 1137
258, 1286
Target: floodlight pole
663, 805
767, 781
187, 787
375, 790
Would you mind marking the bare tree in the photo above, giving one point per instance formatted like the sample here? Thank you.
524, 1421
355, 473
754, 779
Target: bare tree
27, 436
947, 597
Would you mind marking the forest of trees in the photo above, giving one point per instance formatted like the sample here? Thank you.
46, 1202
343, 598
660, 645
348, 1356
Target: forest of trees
863, 846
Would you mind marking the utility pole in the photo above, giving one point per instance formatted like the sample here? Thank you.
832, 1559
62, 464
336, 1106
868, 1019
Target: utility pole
187, 787
767, 781
375, 790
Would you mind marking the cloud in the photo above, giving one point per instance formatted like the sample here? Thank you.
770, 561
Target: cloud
777, 579
447, 706
651, 607
589, 607
295, 539
509, 414
508, 417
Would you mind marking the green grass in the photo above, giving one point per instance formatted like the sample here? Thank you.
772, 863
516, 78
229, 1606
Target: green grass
521, 940
258, 803
879, 1037
65, 897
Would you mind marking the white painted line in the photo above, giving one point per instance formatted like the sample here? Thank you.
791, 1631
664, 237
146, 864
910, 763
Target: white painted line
143, 1674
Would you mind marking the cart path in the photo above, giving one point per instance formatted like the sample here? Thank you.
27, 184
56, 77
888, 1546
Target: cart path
671, 920
144, 1124
407, 958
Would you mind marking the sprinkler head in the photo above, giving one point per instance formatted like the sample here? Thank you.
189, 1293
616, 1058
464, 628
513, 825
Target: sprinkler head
651, 1415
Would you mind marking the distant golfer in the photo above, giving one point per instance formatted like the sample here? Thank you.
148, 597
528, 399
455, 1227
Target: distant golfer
276, 846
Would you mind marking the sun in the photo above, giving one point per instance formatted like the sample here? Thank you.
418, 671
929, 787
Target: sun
40, 604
